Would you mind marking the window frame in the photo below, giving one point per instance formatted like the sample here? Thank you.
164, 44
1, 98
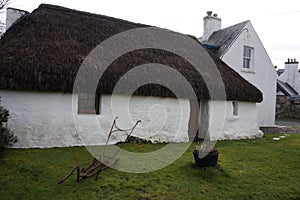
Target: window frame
88, 103
235, 108
248, 59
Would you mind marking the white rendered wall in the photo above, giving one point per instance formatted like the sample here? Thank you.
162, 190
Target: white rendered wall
40, 119
263, 74
46, 119
242, 126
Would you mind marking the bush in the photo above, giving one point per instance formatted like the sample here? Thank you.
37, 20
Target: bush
7, 138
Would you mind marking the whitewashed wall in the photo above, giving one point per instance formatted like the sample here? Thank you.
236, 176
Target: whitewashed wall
263, 75
162, 119
242, 126
40, 119
46, 119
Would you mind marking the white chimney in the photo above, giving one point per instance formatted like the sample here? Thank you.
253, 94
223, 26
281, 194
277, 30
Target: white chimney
291, 73
211, 23
12, 15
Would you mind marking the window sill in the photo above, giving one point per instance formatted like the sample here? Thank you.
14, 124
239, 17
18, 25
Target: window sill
251, 71
87, 112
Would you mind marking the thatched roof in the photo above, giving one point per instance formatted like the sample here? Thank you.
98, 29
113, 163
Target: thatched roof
43, 51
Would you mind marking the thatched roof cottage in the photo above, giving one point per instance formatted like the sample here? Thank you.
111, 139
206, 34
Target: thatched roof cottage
41, 53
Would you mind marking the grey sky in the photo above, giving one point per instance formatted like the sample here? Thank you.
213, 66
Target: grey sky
276, 22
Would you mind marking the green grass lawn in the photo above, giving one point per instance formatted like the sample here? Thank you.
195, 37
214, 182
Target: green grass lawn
253, 169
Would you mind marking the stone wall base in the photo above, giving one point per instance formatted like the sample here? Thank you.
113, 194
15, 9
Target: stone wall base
285, 108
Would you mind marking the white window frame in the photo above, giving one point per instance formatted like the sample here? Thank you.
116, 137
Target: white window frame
248, 59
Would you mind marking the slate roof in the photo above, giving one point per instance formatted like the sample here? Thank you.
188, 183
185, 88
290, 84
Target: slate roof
288, 90
280, 71
222, 39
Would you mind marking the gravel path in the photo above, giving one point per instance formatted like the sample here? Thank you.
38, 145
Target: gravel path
290, 126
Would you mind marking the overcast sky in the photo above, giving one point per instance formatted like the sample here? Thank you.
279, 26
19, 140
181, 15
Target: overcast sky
276, 22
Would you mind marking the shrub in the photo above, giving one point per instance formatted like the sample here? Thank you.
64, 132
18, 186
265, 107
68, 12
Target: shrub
7, 138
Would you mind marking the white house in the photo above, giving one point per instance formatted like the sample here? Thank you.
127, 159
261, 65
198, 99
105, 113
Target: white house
291, 74
39, 69
240, 48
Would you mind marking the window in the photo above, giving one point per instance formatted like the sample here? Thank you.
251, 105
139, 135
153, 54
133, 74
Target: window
247, 57
88, 103
235, 108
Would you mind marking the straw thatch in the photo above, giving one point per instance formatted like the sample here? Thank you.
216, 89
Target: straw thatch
43, 51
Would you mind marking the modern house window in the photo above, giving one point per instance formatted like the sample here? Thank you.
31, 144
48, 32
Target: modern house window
235, 108
247, 57
88, 103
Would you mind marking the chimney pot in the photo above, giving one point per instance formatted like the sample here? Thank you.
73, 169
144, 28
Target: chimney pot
288, 60
209, 13
215, 15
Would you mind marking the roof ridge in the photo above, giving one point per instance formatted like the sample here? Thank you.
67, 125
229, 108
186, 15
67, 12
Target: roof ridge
17, 9
83, 13
88, 14
228, 27
226, 36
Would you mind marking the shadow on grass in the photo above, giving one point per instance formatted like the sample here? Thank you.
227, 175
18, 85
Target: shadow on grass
206, 173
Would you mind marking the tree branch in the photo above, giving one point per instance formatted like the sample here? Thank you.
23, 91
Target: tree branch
3, 3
